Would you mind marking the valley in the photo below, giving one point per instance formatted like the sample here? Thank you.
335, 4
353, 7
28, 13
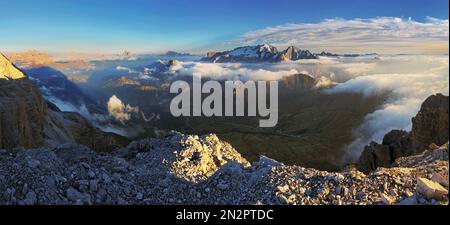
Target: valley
315, 127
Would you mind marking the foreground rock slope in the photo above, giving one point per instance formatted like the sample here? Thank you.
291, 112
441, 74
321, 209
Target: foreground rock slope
186, 169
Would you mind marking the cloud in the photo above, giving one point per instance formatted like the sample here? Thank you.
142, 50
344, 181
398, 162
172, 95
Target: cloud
230, 71
405, 92
381, 34
119, 110
127, 69
324, 82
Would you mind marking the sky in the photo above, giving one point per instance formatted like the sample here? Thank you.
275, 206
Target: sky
152, 26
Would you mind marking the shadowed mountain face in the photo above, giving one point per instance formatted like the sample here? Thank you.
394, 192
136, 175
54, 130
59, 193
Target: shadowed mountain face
297, 82
26, 119
430, 125
22, 114
57, 88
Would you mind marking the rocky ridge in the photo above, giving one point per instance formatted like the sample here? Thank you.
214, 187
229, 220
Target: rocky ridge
189, 169
8, 70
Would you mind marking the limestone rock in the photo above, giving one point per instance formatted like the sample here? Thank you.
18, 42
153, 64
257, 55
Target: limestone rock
441, 178
430, 125
374, 156
386, 199
190, 169
8, 71
430, 189
297, 82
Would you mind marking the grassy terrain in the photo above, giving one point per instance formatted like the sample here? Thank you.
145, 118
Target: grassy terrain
313, 128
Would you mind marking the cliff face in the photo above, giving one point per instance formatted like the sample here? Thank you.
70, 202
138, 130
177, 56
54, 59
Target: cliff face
297, 82
293, 53
27, 121
396, 144
429, 126
22, 109
22, 114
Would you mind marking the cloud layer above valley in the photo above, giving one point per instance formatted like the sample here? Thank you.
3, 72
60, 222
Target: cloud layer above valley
404, 80
382, 35
231, 71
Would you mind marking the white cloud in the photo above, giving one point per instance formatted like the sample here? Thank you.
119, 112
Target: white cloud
119, 110
230, 71
382, 34
324, 82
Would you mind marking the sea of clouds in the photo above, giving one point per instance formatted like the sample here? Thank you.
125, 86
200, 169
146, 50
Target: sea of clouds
406, 80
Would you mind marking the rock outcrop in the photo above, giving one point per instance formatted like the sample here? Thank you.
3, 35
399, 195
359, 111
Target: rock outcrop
396, 144
297, 82
429, 126
8, 71
22, 109
186, 169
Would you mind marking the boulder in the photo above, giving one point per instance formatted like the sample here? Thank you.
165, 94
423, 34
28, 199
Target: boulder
430, 189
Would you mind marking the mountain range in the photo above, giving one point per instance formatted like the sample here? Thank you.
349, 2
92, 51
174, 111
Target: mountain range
259, 53
67, 160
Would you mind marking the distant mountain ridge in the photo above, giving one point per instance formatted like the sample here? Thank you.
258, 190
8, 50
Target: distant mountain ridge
175, 54
269, 53
259, 53
329, 54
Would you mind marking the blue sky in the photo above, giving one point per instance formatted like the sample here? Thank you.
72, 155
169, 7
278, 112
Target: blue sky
195, 25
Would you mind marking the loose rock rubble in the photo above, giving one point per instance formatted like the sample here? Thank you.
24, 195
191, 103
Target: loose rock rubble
186, 169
